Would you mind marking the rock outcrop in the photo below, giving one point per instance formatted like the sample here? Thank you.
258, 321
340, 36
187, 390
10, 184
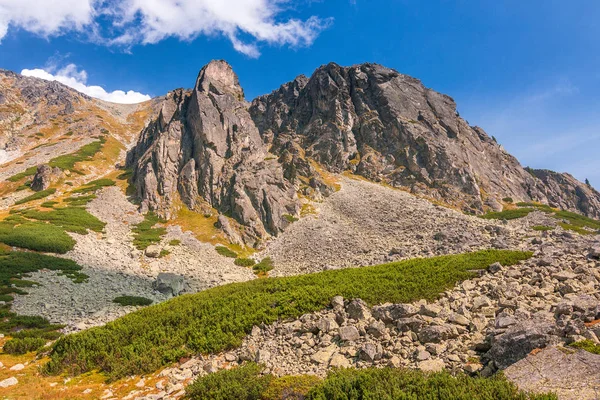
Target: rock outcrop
44, 176
388, 127
204, 147
208, 146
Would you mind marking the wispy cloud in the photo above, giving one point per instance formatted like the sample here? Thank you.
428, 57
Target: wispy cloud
77, 79
549, 126
130, 22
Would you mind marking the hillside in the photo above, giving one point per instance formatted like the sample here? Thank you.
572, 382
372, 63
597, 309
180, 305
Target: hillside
350, 219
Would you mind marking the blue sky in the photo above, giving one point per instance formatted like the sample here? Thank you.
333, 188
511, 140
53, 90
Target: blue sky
528, 72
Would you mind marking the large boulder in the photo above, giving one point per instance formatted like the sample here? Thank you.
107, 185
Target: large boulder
44, 176
519, 340
571, 374
169, 283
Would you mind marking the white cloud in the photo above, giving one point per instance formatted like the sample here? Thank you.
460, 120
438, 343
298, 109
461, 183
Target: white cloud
70, 76
47, 17
130, 22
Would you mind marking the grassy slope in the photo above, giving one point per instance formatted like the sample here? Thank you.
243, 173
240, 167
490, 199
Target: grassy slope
219, 318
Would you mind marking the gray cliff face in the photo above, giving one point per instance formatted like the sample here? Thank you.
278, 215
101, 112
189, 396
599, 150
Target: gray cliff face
565, 192
388, 127
204, 147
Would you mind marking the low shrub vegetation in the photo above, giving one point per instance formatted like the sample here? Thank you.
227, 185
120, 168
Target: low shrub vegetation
36, 196
247, 383
79, 201
218, 319
145, 234
21, 175
91, 187
24, 345
244, 262
72, 219
290, 218
226, 252
132, 301
264, 266
509, 214
542, 228
37, 236
85, 153
175, 242
587, 345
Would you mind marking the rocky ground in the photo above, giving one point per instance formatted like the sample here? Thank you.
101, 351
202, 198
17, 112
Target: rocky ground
115, 268
365, 223
482, 325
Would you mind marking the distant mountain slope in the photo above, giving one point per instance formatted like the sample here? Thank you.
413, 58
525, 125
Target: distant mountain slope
208, 149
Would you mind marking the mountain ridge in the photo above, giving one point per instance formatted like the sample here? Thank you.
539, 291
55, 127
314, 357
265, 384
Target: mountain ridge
366, 119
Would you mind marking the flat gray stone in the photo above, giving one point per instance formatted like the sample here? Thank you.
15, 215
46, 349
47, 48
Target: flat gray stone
571, 374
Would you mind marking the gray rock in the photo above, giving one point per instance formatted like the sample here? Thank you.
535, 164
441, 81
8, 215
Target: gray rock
167, 282
153, 251
377, 329
595, 252
435, 365
358, 310
572, 375
9, 382
44, 176
348, 333
207, 146
370, 352
519, 340
437, 333
392, 312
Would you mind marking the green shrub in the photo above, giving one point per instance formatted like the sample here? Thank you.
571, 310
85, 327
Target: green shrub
507, 199
247, 383
36, 196
79, 201
49, 204
144, 233
542, 228
22, 346
290, 218
132, 301
508, 214
226, 252
28, 172
217, 319
392, 384
244, 383
164, 253
587, 345
264, 266
14, 264
175, 242
25, 186
290, 387
95, 185
578, 220
48, 333
85, 153
244, 262
37, 236
72, 219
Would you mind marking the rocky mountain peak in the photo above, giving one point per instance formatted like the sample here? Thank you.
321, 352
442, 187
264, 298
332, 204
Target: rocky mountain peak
218, 77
